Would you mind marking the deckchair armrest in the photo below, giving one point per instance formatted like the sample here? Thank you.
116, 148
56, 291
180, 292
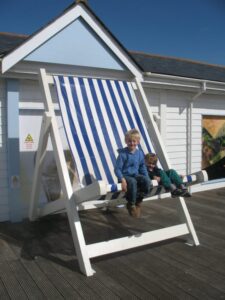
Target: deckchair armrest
197, 177
91, 191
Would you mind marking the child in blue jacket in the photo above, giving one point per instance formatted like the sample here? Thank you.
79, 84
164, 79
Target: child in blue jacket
131, 171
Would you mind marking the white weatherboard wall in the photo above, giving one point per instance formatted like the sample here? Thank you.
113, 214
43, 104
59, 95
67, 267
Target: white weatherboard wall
172, 107
31, 109
4, 206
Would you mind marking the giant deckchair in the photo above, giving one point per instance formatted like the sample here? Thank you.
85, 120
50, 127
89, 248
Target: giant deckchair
96, 113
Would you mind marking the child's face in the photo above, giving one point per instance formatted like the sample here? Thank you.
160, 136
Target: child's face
132, 143
150, 165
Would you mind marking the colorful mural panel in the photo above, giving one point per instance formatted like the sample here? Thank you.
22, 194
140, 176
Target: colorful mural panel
213, 139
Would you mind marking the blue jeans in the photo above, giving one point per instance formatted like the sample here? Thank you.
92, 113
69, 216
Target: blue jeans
137, 187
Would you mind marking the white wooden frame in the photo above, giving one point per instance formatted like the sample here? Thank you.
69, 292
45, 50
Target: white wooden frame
70, 199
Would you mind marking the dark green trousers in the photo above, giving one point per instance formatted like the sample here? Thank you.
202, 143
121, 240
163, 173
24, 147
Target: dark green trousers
170, 177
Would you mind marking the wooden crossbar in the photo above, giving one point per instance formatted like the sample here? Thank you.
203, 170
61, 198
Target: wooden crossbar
140, 239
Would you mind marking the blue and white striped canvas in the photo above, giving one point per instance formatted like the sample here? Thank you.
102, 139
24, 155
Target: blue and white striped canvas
96, 114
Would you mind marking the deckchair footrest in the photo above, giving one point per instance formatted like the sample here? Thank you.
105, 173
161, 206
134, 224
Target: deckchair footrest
140, 239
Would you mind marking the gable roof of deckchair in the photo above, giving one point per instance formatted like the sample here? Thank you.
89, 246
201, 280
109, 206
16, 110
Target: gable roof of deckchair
126, 58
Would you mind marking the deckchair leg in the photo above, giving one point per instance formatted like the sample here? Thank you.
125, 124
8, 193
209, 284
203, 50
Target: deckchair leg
68, 195
78, 239
72, 212
161, 151
185, 217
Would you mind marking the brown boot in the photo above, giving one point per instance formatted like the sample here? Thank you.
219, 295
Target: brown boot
132, 210
138, 209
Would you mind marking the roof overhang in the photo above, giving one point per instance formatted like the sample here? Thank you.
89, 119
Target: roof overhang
43, 35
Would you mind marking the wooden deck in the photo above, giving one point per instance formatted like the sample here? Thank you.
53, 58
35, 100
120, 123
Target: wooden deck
37, 260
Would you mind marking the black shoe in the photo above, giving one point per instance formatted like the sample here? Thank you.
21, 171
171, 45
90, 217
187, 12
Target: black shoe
185, 193
176, 193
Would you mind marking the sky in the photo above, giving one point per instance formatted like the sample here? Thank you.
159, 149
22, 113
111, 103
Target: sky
189, 29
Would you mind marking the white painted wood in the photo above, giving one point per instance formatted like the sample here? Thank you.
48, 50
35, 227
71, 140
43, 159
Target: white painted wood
133, 241
35, 194
29, 71
178, 161
68, 195
208, 186
174, 155
176, 115
185, 217
90, 192
52, 207
176, 123
38, 39
4, 205
34, 106
176, 129
163, 114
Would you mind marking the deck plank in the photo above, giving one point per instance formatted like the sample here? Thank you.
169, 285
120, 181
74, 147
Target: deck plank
79, 282
198, 270
64, 288
132, 286
44, 283
26, 282
150, 283
179, 278
3, 291
11, 283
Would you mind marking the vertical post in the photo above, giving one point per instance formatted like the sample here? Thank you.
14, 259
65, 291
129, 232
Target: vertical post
13, 151
189, 137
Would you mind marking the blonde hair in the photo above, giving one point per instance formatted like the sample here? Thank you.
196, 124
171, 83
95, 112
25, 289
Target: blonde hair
151, 158
132, 133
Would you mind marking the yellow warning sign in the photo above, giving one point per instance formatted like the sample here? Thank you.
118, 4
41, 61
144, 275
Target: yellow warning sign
29, 142
29, 139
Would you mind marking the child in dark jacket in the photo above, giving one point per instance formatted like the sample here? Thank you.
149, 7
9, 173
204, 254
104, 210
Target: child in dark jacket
169, 179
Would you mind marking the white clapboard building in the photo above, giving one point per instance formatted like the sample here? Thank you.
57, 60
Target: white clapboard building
180, 92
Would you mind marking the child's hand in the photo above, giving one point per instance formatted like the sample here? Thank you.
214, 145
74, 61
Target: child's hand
157, 178
124, 185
